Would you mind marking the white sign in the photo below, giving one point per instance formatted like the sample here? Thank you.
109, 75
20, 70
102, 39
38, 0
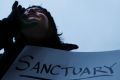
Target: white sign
38, 63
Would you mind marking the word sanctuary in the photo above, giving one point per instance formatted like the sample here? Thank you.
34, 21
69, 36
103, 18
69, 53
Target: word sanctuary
39, 68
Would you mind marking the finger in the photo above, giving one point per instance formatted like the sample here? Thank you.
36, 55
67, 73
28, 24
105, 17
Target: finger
23, 10
15, 5
19, 7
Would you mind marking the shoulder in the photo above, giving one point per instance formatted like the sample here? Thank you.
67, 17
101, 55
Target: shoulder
1, 55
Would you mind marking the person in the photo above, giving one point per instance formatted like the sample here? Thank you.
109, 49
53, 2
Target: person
31, 26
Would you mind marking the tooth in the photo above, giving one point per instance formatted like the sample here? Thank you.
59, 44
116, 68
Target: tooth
31, 18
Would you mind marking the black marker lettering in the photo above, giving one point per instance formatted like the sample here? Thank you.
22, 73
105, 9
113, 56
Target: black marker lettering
86, 70
47, 69
37, 67
24, 62
55, 68
111, 68
99, 70
66, 70
77, 71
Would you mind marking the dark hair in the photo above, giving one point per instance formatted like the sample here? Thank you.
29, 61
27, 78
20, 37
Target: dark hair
54, 40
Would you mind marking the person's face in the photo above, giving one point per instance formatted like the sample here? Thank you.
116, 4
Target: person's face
35, 16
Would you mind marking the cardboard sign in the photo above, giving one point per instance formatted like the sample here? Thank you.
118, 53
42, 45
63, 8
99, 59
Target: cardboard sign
38, 63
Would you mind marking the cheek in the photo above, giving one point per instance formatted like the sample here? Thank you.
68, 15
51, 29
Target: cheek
43, 19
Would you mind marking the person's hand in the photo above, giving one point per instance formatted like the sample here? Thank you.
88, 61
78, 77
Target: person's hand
10, 26
17, 12
13, 21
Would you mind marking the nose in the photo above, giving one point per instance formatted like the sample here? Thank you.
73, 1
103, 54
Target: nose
32, 11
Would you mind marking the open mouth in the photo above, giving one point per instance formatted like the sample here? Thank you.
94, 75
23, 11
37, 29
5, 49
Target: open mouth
32, 16
35, 17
